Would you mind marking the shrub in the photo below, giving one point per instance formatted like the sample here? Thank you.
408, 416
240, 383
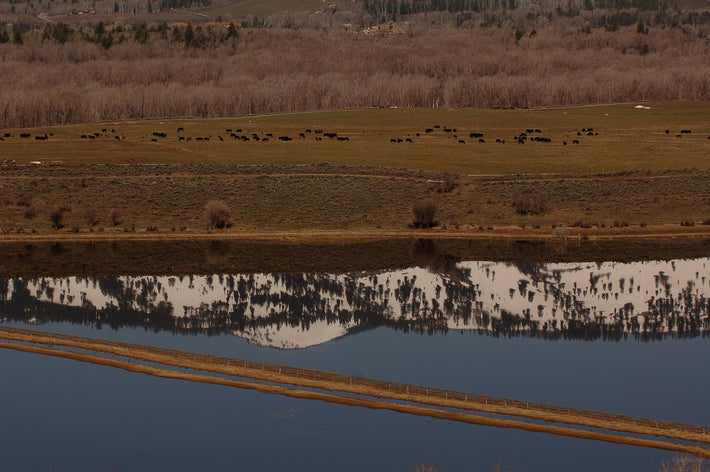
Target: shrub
91, 216
56, 216
532, 204
217, 214
115, 217
30, 212
424, 212
448, 182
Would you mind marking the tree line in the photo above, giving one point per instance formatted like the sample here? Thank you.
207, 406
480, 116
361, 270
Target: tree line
59, 74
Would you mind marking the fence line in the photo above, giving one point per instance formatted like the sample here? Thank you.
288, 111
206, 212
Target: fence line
400, 388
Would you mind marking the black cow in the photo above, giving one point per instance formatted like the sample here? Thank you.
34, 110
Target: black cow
461, 141
180, 130
25, 135
284, 138
345, 138
429, 130
409, 140
576, 141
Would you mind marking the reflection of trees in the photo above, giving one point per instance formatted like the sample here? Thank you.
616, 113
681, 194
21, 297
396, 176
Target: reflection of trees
255, 302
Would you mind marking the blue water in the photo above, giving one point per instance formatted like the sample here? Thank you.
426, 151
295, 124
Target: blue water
64, 415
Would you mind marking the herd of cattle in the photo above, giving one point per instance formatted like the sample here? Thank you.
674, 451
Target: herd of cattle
237, 134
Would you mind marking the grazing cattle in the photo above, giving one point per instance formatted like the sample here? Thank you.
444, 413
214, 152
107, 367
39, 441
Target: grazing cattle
475, 135
418, 134
103, 130
481, 140
245, 138
308, 131
400, 140
409, 140
668, 131
393, 140
83, 136
113, 131
677, 135
530, 130
199, 138
302, 135
154, 140
318, 131
189, 138
284, 138
228, 130
25, 135
181, 138
498, 140
207, 139
220, 137
265, 140
318, 138
461, 141
233, 135
538, 130
254, 135
345, 138
564, 143
96, 135
271, 135
7, 135
437, 126
590, 133
238, 130
330, 135
447, 130
91, 136
429, 130
2, 139
579, 133
685, 131
576, 141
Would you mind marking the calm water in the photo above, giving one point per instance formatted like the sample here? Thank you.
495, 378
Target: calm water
628, 338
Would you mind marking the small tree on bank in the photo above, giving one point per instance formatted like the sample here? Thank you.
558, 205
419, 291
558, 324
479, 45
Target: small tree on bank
424, 212
217, 214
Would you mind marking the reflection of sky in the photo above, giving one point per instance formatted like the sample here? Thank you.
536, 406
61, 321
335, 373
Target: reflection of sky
549, 294
73, 416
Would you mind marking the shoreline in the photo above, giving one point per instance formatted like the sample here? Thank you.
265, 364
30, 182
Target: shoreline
650, 233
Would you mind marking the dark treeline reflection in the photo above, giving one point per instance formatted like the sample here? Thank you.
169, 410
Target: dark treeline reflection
596, 301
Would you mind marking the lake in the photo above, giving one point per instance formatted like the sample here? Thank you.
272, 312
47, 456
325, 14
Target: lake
625, 337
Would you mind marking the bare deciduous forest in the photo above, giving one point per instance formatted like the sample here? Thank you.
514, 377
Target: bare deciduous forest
354, 56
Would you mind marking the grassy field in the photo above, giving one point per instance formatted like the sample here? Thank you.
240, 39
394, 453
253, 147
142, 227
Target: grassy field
629, 172
266, 7
624, 138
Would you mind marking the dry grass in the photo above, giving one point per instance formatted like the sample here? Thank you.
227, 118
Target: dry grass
173, 198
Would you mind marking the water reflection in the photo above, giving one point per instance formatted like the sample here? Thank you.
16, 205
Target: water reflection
608, 301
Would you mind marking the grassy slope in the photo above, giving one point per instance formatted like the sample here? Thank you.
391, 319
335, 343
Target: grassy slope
628, 139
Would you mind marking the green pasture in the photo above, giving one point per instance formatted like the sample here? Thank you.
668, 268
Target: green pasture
626, 139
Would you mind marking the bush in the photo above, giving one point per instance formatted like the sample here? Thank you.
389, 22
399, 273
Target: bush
448, 182
91, 217
217, 214
56, 216
424, 212
532, 204
115, 217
